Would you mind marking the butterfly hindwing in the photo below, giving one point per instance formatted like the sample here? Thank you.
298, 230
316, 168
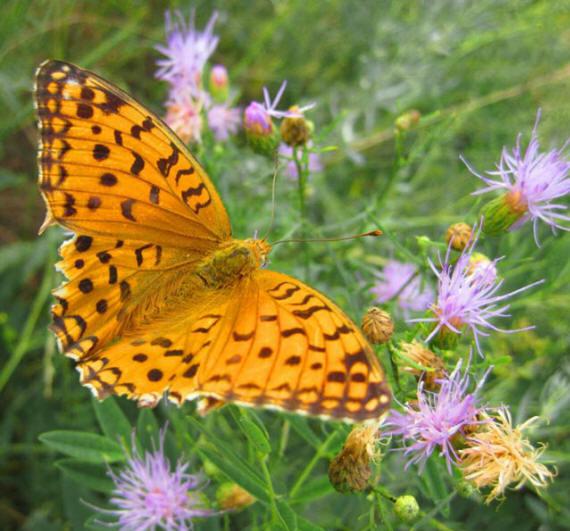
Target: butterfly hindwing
270, 341
109, 166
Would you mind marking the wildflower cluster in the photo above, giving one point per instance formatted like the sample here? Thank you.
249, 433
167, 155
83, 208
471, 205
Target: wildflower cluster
192, 101
448, 415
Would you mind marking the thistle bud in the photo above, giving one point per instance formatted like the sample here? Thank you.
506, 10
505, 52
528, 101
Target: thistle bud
219, 83
459, 235
408, 120
406, 508
232, 497
420, 355
350, 471
482, 267
377, 325
295, 128
260, 130
501, 213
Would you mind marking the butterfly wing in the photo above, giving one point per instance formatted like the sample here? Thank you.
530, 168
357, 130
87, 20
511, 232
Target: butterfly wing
270, 341
108, 166
143, 209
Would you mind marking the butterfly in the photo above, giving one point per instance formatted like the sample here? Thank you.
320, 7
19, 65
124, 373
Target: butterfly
159, 298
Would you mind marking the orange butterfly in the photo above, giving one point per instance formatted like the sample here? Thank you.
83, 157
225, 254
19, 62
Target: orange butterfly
160, 297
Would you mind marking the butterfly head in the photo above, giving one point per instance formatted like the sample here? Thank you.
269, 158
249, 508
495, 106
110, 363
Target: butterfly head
259, 249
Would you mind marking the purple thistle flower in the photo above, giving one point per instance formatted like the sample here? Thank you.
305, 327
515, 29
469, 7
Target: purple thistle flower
400, 280
257, 116
468, 297
184, 113
532, 181
315, 164
223, 121
437, 418
187, 50
148, 493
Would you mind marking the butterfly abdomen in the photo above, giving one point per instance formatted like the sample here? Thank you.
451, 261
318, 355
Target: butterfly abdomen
234, 260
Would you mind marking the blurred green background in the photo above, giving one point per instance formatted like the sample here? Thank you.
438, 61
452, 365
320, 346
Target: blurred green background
477, 72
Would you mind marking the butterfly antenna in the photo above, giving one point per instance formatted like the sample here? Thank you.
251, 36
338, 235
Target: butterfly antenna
273, 188
374, 233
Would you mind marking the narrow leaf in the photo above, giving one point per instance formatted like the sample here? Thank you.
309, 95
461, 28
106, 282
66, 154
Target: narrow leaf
113, 421
86, 474
88, 447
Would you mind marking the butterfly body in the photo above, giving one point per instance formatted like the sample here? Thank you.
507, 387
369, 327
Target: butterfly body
159, 299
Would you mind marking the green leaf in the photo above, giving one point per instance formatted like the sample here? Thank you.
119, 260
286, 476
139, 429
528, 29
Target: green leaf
305, 525
313, 489
88, 447
236, 470
301, 427
288, 515
113, 421
255, 435
148, 431
433, 481
86, 474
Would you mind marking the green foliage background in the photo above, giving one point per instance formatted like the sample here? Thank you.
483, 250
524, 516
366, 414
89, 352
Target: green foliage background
477, 71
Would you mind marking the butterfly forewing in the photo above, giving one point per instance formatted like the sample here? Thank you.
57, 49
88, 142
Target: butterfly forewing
110, 166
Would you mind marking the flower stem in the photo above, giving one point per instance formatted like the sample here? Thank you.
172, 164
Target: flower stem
302, 166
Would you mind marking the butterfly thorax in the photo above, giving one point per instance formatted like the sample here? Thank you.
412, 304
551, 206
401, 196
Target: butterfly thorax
234, 260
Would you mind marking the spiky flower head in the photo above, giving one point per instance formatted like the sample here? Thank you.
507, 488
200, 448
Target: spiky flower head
532, 182
186, 51
468, 298
377, 325
184, 114
401, 281
497, 455
223, 121
350, 470
459, 235
437, 418
149, 493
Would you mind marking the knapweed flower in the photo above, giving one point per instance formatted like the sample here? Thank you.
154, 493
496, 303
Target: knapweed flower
467, 297
401, 281
377, 326
149, 493
184, 114
187, 50
437, 418
532, 182
223, 121
497, 455
315, 164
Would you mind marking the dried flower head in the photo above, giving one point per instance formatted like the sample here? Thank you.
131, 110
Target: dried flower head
459, 235
402, 282
296, 129
437, 418
431, 367
468, 300
187, 50
350, 471
497, 455
148, 493
232, 497
377, 325
532, 182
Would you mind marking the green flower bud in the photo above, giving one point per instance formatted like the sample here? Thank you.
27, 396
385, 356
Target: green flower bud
406, 508
501, 213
